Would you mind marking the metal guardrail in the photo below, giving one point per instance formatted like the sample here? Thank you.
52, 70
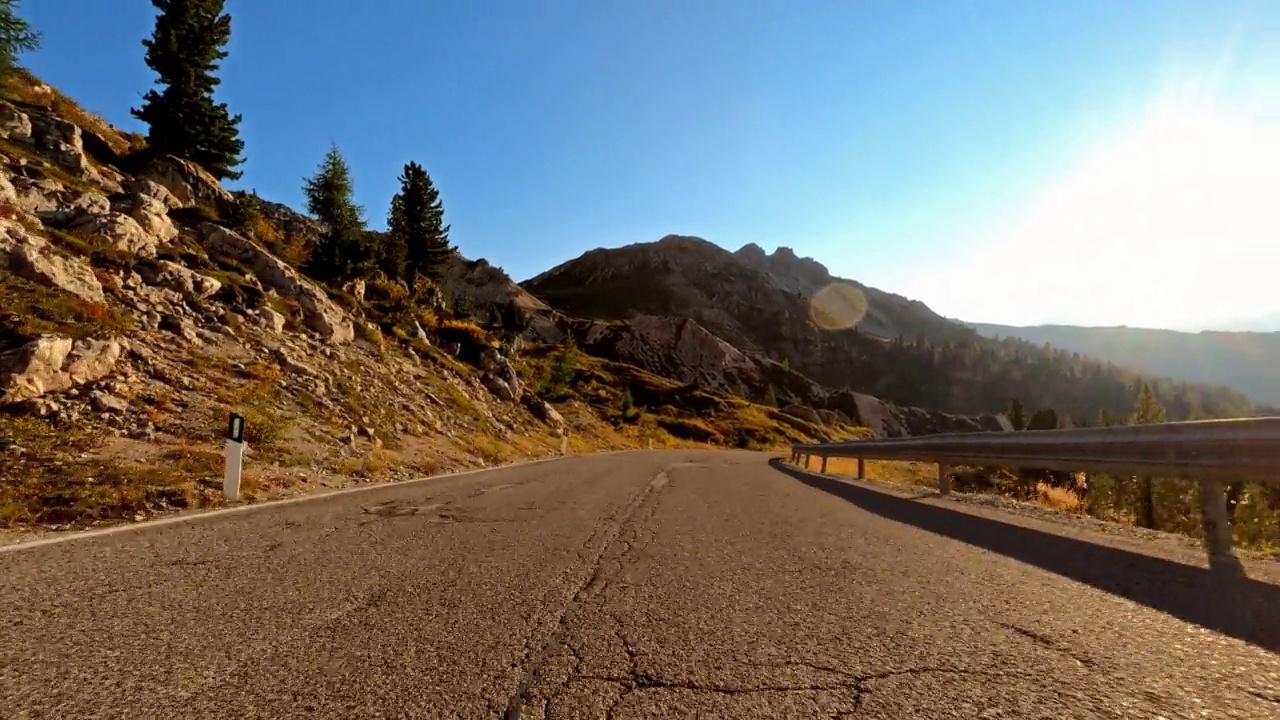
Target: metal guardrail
1210, 451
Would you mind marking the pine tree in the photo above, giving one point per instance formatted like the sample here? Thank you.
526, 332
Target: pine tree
416, 221
1017, 419
16, 36
1147, 410
341, 253
514, 317
185, 51
770, 397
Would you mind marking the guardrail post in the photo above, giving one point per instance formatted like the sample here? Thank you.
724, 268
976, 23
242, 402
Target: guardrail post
944, 478
861, 469
1213, 520
824, 463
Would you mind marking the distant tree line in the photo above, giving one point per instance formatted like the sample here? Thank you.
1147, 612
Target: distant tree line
972, 374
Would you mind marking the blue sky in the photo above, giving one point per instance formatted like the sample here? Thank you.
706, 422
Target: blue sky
978, 155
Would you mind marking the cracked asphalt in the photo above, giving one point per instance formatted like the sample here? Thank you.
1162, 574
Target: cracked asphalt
639, 585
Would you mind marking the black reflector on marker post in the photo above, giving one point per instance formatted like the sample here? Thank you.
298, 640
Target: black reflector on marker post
235, 428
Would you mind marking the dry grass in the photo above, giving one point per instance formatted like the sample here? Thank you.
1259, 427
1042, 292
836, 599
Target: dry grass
50, 486
24, 87
28, 310
1058, 498
467, 334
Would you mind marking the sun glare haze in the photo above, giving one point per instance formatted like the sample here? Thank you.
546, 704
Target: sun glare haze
1169, 223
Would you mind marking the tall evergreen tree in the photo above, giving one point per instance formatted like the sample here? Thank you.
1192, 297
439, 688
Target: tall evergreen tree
341, 253
185, 50
1147, 409
416, 220
16, 36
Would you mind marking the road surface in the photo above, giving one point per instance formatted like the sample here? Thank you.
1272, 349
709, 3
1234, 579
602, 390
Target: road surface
649, 584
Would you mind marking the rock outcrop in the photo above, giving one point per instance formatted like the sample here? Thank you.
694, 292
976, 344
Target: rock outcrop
319, 313
53, 364
188, 183
30, 256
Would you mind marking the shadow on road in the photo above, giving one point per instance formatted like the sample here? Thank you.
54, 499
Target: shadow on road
1228, 603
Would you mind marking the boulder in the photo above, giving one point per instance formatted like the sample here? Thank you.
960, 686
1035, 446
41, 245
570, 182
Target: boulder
84, 206
37, 195
123, 232
499, 387
180, 326
271, 320
543, 410
8, 193
807, 414
493, 362
108, 403
319, 313
14, 124
154, 190
30, 256
188, 183
191, 284
152, 215
62, 140
53, 364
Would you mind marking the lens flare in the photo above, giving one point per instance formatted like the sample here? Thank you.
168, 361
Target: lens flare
838, 306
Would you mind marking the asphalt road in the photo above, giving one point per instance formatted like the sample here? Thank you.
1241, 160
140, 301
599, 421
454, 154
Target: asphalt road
651, 584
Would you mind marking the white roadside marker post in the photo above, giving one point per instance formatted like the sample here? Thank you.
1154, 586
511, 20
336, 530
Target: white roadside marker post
235, 458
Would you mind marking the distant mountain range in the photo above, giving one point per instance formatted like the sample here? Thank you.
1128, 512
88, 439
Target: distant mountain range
1246, 361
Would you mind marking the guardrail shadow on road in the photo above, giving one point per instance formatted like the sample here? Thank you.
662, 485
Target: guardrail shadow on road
1225, 602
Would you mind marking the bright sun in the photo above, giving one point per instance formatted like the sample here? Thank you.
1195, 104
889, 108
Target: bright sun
1174, 224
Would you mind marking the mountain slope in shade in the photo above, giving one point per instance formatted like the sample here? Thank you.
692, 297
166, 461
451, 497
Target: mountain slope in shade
1247, 361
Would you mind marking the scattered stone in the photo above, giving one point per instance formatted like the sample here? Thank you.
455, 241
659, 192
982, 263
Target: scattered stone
543, 410
191, 284
107, 403
180, 326
272, 320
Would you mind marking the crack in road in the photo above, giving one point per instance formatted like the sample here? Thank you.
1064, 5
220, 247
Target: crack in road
856, 683
1049, 643
558, 636
613, 546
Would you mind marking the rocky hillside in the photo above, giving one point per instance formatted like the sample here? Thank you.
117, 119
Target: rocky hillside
141, 302
845, 336
1248, 361
884, 314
